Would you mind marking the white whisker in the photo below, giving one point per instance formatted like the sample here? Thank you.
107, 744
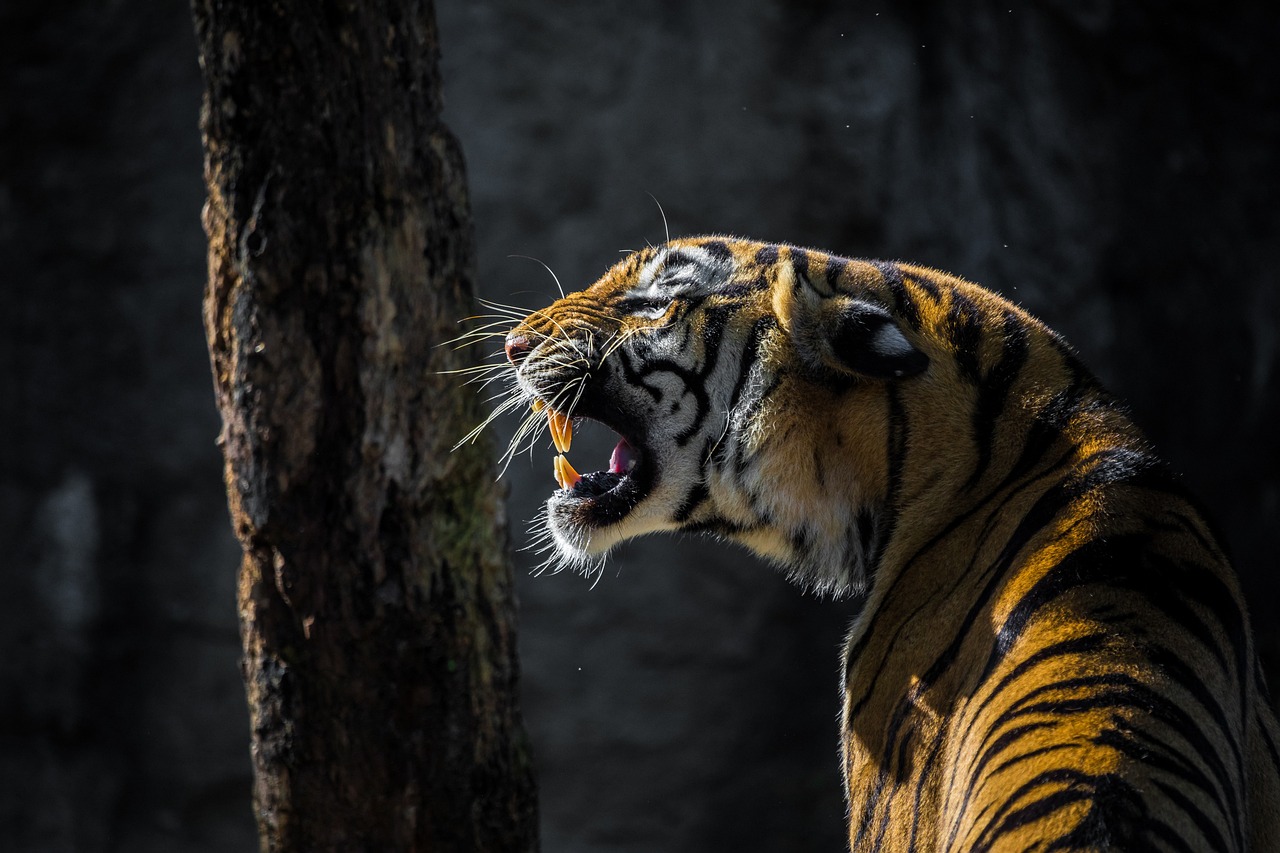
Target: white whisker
665, 229
554, 277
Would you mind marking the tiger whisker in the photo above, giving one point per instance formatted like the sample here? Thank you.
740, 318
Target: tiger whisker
554, 277
666, 230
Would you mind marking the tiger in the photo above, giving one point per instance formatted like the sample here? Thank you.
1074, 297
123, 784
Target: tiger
1051, 650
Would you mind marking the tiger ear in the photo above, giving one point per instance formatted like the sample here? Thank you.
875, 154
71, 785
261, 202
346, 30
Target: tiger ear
843, 333
868, 340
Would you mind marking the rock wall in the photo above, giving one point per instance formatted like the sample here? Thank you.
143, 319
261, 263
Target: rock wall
122, 718
1110, 166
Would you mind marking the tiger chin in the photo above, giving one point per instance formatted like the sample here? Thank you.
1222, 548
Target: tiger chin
1053, 653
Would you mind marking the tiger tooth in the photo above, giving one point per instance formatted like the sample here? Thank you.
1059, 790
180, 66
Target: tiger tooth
561, 430
538, 405
566, 477
571, 477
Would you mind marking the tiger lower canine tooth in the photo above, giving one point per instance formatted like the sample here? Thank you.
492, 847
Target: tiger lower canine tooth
565, 475
561, 430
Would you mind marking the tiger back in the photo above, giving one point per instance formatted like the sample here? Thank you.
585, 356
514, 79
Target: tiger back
1052, 650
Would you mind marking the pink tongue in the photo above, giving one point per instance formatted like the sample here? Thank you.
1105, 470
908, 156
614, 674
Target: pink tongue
623, 458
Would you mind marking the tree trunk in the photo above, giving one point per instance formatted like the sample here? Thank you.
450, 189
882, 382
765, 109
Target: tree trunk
376, 600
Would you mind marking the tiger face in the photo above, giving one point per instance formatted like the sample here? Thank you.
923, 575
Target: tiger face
747, 383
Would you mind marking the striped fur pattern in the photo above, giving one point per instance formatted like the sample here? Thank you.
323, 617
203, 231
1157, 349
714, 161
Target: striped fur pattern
1052, 651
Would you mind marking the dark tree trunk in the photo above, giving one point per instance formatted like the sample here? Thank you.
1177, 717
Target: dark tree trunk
376, 602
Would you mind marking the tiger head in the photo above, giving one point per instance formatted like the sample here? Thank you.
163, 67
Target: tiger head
755, 389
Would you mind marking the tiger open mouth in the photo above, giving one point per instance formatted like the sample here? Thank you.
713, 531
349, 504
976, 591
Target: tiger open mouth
603, 497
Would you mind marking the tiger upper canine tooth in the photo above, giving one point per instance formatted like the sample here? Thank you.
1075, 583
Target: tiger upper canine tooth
561, 430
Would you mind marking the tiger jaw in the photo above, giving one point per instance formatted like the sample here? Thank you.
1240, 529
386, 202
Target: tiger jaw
586, 514
621, 462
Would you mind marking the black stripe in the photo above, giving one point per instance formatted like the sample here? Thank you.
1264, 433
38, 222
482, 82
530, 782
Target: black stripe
1050, 504
928, 285
1047, 427
1155, 754
748, 414
835, 269
1228, 608
1126, 562
692, 385
994, 391
693, 499
720, 525
927, 771
902, 766
1172, 586
877, 844
800, 262
903, 305
715, 319
750, 356
993, 750
1080, 786
1078, 645
694, 380
963, 328
855, 651
738, 290
1038, 752
767, 255
1037, 810
898, 443
1267, 739
1118, 690
1087, 564
677, 260
1082, 645
1211, 833
868, 808
717, 249
801, 540
1116, 819
866, 524
633, 375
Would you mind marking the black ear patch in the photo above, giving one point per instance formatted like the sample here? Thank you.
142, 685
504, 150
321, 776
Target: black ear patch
867, 340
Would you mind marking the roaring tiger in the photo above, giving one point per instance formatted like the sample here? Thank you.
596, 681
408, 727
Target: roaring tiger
1052, 650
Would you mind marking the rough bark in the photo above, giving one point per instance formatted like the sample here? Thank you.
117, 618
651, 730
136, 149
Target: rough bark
376, 602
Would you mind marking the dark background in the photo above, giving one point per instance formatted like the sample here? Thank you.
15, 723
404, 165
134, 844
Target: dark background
1111, 166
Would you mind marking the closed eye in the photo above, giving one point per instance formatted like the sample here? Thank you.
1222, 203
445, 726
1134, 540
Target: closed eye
649, 307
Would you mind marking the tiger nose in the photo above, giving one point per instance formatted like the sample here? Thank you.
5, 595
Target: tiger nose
517, 348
